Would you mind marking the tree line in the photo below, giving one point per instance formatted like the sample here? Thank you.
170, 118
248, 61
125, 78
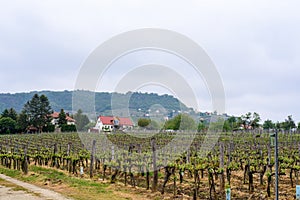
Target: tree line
36, 117
248, 121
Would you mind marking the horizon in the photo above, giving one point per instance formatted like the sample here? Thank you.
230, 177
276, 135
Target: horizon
141, 92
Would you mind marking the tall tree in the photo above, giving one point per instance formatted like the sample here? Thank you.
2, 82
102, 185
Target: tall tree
81, 120
38, 111
22, 121
62, 118
10, 113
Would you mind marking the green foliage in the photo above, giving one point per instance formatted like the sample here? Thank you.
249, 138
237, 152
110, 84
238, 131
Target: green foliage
226, 126
68, 128
181, 122
22, 121
62, 120
148, 124
232, 122
250, 119
49, 128
7, 125
81, 120
201, 127
154, 125
38, 111
143, 122
288, 124
89, 125
11, 113
268, 124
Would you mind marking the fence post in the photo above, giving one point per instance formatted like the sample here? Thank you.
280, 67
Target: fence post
92, 158
155, 172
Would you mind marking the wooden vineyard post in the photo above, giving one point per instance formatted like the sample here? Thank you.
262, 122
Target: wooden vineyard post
112, 152
92, 158
155, 172
69, 160
228, 172
54, 159
269, 157
222, 177
25, 163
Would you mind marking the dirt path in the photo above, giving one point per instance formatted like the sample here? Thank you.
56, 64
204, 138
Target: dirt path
7, 193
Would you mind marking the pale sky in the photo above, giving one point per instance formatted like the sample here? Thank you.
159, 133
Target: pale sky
254, 44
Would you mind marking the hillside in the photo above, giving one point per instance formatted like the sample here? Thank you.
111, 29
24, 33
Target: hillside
63, 99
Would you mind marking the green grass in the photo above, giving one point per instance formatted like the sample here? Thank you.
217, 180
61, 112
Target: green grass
76, 188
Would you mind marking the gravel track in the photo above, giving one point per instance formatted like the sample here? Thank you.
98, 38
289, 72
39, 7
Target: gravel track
7, 193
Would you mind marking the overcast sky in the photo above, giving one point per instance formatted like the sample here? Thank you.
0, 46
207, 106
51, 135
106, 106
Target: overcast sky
254, 44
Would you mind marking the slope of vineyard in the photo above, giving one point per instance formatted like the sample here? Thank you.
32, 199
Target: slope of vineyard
242, 161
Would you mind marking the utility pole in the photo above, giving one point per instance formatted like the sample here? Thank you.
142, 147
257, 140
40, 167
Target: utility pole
276, 165
274, 143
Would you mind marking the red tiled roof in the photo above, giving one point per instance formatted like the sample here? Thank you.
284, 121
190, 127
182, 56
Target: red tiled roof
55, 115
109, 120
125, 121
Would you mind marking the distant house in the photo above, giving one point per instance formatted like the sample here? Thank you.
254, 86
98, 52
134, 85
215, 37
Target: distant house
108, 123
55, 118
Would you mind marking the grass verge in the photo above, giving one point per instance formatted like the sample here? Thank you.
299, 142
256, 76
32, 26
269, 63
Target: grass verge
76, 188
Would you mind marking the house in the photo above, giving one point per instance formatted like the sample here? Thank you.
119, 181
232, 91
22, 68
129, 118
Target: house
55, 117
108, 123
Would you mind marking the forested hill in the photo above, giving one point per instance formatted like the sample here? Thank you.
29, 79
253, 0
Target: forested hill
63, 100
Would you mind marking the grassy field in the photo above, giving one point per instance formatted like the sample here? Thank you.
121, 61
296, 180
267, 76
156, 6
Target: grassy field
69, 186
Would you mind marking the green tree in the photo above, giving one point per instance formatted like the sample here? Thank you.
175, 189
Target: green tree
7, 125
227, 127
38, 111
278, 125
268, 124
81, 120
154, 125
232, 121
202, 126
89, 125
250, 119
22, 121
181, 122
143, 122
62, 118
10, 113
288, 124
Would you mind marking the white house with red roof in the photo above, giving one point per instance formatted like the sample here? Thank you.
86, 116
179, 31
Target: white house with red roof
55, 117
108, 123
